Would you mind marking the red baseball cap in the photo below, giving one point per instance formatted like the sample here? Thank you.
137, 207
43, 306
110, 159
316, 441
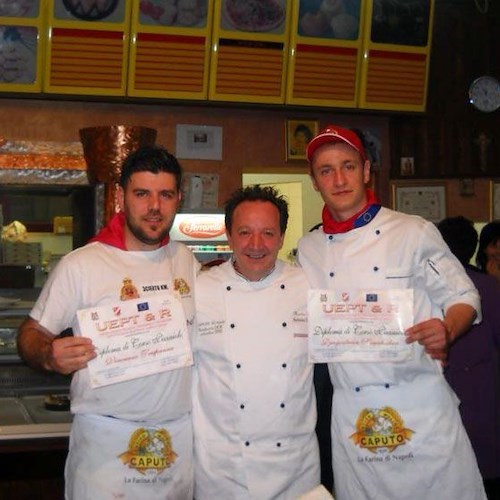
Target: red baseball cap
332, 134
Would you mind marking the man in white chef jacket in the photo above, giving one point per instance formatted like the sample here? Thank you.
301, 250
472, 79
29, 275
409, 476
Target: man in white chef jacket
130, 439
396, 429
254, 407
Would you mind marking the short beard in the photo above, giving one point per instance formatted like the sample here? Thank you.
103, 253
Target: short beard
141, 236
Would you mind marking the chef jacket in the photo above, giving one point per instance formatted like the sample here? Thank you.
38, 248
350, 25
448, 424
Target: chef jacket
254, 407
396, 429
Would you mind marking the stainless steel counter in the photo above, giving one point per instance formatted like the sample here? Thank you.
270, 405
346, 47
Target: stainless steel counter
26, 417
23, 414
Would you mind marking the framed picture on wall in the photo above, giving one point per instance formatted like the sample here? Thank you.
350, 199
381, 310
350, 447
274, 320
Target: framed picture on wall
198, 142
495, 200
298, 134
428, 201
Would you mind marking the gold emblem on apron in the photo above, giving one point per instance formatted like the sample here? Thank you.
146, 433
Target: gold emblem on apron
149, 449
378, 429
128, 290
181, 286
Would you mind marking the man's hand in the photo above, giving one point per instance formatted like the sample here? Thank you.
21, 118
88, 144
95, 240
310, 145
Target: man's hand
433, 335
68, 354
42, 349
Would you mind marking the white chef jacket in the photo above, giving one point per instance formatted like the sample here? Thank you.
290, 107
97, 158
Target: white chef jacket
95, 275
433, 457
254, 409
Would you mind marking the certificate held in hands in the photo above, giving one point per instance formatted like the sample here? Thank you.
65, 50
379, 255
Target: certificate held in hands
136, 338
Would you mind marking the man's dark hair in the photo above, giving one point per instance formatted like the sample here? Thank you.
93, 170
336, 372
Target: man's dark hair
257, 193
489, 234
154, 159
460, 235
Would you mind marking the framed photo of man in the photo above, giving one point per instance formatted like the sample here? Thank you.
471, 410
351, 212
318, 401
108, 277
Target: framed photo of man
298, 134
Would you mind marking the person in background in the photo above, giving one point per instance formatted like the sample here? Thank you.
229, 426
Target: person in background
131, 439
473, 368
396, 429
253, 406
488, 252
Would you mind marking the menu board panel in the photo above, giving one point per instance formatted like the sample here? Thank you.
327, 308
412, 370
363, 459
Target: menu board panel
325, 53
87, 47
250, 50
170, 49
397, 45
21, 46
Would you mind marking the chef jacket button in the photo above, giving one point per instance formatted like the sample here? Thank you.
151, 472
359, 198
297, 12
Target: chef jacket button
375, 268
357, 389
238, 365
331, 237
278, 444
332, 274
387, 386
282, 405
282, 286
232, 325
377, 231
228, 288
283, 365
242, 406
247, 443
283, 324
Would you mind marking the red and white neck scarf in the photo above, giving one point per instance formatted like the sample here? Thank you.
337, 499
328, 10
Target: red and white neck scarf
363, 217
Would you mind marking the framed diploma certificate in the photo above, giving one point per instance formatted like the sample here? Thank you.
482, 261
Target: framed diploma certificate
136, 338
359, 325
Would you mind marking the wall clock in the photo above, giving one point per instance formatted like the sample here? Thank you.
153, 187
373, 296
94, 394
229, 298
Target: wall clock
484, 94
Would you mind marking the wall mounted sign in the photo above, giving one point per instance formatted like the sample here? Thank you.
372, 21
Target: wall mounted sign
428, 201
198, 142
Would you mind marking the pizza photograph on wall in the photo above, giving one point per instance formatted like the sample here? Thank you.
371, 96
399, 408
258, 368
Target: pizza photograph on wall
253, 15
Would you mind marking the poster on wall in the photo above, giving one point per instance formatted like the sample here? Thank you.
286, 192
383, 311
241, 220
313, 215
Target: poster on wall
427, 201
198, 142
200, 190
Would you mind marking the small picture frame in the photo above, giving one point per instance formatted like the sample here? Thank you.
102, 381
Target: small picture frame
495, 200
298, 134
407, 166
427, 201
198, 142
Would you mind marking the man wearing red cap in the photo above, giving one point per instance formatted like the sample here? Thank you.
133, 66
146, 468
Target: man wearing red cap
396, 429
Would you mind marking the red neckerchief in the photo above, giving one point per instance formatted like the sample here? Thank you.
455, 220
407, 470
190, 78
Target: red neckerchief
114, 233
331, 226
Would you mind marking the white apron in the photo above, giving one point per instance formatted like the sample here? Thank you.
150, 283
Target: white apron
403, 440
111, 458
